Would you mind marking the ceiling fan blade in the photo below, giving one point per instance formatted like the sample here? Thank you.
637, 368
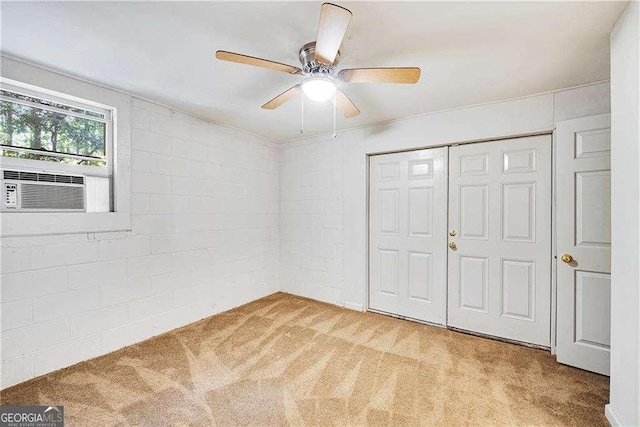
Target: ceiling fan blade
282, 98
381, 75
258, 62
334, 21
345, 105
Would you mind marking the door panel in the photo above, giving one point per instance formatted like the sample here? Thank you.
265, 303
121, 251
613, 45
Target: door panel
388, 211
421, 212
518, 289
474, 215
407, 238
420, 276
500, 210
474, 287
593, 208
593, 308
584, 233
519, 212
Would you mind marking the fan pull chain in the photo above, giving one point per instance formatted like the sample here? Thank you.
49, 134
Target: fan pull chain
334, 115
302, 116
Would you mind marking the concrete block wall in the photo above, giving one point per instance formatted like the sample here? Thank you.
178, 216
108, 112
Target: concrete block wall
323, 182
204, 239
221, 218
311, 177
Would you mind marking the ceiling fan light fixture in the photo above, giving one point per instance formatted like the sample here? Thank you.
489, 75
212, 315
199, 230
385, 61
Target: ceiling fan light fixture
318, 88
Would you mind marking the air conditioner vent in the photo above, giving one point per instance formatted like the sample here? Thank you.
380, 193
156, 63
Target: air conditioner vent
43, 177
28, 176
46, 177
11, 175
38, 196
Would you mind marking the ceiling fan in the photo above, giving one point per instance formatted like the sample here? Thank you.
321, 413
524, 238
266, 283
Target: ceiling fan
319, 60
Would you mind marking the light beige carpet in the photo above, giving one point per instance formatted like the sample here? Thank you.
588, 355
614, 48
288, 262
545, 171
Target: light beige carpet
290, 360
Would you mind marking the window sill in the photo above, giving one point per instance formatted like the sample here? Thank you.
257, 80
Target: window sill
15, 224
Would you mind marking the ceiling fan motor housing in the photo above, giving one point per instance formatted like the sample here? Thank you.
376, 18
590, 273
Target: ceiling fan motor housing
312, 67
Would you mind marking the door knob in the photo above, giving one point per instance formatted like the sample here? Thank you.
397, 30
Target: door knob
453, 246
566, 258
452, 233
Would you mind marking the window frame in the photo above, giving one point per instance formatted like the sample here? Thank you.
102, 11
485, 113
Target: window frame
107, 111
54, 85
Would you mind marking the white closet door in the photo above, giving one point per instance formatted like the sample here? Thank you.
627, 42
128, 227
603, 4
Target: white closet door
584, 237
407, 234
500, 213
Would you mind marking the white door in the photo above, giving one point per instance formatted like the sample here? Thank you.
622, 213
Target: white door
407, 234
584, 238
500, 213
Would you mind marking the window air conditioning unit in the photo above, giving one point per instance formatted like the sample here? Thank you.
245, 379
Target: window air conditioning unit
24, 191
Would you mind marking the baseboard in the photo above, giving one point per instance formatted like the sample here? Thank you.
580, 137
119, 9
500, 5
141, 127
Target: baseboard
353, 306
611, 416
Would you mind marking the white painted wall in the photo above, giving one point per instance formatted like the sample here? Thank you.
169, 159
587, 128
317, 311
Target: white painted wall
311, 220
204, 239
624, 408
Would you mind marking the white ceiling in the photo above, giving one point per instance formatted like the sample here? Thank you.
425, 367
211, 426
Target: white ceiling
469, 52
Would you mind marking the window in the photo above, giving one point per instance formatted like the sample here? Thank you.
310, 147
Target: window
97, 147
42, 131
37, 128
